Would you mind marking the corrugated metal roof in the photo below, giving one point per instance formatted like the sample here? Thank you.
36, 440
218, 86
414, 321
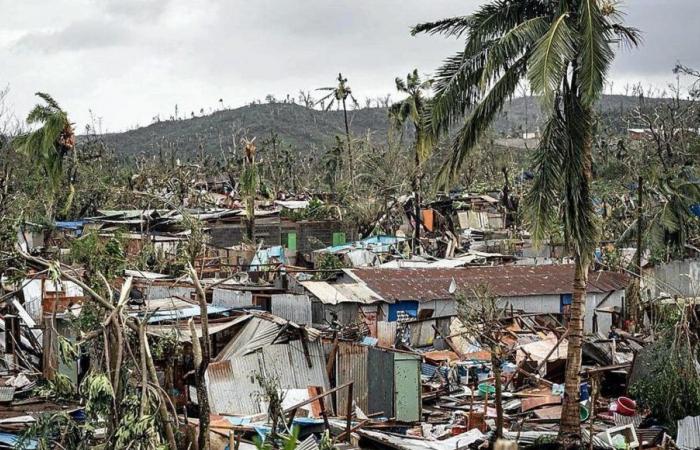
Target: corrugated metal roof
256, 334
504, 281
333, 294
7, 393
308, 444
232, 386
183, 330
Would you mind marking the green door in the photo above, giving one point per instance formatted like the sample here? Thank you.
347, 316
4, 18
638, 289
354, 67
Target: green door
407, 387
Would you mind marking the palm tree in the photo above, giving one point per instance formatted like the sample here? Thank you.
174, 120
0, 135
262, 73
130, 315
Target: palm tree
564, 50
412, 109
339, 95
48, 145
250, 182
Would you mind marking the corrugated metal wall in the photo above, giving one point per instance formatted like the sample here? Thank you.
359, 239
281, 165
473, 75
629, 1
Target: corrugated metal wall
157, 292
386, 333
234, 299
288, 363
674, 278
347, 312
233, 388
296, 308
351, 365
232, 385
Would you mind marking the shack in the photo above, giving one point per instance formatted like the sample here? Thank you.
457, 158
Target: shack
431, 292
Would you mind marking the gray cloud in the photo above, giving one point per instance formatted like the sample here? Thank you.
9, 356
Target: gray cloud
80, 35
129, 60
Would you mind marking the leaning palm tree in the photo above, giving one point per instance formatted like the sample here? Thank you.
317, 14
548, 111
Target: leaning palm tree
412, 109
564, 50
48, 145
340, 95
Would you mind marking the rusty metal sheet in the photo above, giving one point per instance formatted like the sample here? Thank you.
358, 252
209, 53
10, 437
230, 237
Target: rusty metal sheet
425, 284
351, 365
386, 333
536, 402
549, 413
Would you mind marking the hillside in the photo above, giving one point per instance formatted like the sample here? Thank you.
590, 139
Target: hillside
310, 129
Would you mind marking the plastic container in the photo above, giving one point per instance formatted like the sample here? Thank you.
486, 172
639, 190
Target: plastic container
486, 388
583, 413
584, 391
626, 406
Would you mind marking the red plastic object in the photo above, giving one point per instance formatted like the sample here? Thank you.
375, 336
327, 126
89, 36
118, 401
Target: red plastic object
626, 406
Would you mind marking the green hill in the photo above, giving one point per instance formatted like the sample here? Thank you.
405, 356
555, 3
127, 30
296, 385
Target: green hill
313, 130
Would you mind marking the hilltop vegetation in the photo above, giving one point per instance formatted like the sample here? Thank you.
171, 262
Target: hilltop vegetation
312, 130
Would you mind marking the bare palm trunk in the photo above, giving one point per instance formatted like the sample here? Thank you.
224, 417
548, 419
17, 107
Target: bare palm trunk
417, 198
202, 359
347, 137
570, 418
496, 365
250, 219
570, 429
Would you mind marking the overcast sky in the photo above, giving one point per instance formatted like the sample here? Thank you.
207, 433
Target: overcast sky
128, 60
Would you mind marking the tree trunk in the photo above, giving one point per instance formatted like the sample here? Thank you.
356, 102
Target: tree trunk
250, 220
417, 199
201, 364
496, 366
635, 299
570, 418
347, 137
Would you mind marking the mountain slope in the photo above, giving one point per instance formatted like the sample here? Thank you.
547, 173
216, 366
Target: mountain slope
312, 130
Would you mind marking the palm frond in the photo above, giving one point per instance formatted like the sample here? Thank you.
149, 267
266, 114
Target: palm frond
543, 199
511, 45
453, 26
481, 118
596, 54
550, 59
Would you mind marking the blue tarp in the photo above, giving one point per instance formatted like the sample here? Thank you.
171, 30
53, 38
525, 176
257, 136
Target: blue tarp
185, 313
10, 439
378, 244
263, 256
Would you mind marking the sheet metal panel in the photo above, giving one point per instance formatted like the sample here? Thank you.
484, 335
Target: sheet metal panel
351, 365
407, 387
425, 284
689, 433
232, 386
231, 298
295, 308
155, 292
288, 363
380, 376
256, 334
386, 333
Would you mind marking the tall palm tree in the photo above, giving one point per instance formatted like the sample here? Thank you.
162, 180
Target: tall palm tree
250, 182
564, 50
48, 145
412, 109
340, 95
